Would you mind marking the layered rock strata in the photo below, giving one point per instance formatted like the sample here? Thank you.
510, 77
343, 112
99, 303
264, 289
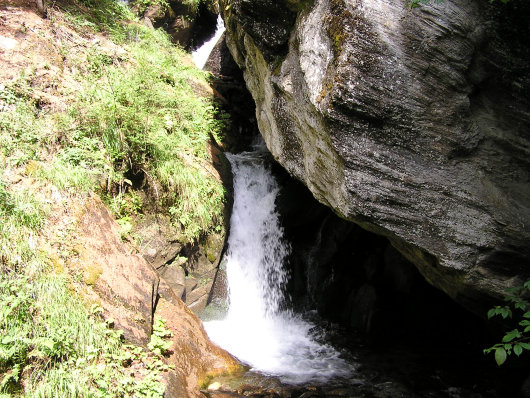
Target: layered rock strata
412, 123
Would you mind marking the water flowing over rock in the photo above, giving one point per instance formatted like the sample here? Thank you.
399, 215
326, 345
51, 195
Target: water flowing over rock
258, 329
413, 123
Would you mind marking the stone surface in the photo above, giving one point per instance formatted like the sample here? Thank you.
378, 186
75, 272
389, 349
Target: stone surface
195, 357
175, 276
159, 244
189, 24
131, 292
229, 86
188, 270
125, 284
413, 123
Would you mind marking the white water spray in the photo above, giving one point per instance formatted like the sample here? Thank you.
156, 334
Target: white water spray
256, 329
201, 54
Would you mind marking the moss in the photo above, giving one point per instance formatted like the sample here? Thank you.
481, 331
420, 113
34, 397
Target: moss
92, 273
213, 246
336, 23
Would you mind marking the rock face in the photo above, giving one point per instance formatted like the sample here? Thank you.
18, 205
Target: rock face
412, 123
189, 270
185, 21
131, 293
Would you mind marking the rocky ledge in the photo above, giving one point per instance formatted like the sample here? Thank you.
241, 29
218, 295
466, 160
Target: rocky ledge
411, 122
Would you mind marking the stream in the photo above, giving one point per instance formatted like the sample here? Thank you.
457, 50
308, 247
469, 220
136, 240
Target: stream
200, 55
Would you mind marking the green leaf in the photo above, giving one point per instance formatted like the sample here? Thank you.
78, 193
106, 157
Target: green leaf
514, 334
506, 312
526, 346
500, 356
491, 313
517, 349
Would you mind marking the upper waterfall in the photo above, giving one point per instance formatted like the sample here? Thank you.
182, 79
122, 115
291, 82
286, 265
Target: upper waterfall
200, 55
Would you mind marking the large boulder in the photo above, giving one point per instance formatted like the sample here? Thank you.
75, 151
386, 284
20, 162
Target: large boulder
411, 122
131, 293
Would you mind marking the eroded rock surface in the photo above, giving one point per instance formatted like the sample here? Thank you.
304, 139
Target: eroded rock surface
413, 123
131, 293
125, 283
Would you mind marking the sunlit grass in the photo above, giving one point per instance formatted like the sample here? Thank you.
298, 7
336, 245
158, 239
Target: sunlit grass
131, 113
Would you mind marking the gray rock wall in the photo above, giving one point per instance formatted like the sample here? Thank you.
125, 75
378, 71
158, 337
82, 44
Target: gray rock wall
413, 123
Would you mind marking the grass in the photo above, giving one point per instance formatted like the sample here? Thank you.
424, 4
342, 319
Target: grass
51, 345
133, 113
150, 121
136, 114
143, 117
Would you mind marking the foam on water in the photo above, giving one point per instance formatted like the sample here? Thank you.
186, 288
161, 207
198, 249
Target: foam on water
257, 330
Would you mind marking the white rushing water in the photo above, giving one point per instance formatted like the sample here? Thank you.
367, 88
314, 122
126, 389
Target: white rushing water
201, 54
256, 329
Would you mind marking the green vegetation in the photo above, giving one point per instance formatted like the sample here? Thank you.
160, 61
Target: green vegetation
517, 340
48, 337
137, 115
143, 5
151, 122
132, 115
159, 343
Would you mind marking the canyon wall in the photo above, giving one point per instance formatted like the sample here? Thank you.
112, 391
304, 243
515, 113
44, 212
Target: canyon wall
412, 123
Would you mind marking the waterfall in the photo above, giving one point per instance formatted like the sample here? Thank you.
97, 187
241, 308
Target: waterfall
257, 330
201, 54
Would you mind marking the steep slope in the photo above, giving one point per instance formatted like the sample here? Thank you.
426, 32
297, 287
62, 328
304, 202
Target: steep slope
106, 134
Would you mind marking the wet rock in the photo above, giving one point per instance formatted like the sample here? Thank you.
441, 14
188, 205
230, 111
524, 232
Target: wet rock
411, 123
363, 308
200, 271
189, 270
229, 86
185, 21
194, 356
525, 388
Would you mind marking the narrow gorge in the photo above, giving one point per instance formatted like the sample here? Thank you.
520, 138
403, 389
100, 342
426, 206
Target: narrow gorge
411, 125
265, 198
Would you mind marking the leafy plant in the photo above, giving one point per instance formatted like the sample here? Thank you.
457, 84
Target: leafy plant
160, 342
143, 5
133, 112
516, 340
150, 121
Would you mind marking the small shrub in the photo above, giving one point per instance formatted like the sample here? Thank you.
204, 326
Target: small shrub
159, 343
516, 340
